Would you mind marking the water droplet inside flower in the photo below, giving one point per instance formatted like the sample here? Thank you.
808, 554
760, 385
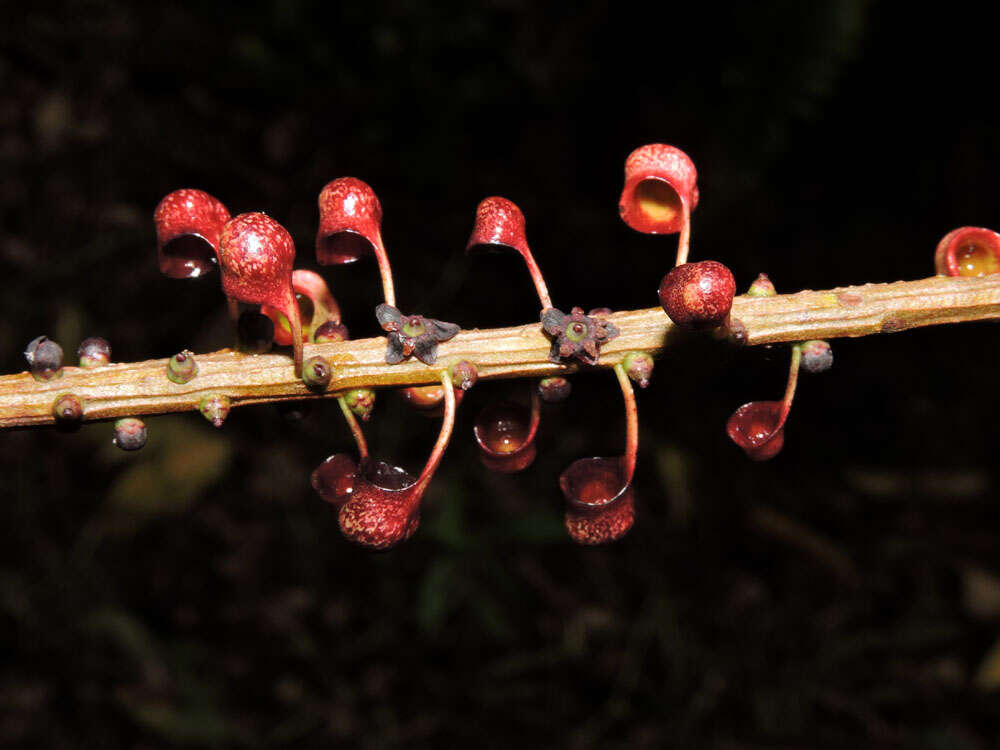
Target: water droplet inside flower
974, 259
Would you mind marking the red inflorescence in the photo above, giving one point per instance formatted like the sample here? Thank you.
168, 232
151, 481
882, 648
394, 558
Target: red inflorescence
758, 429
350, 222
188, 225
698, 295
968, 251
660, 181
600, 500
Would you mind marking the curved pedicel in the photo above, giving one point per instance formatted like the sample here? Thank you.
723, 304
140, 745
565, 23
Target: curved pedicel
759, 426
968, 251
660, 193
256, 255
384, 507
598, 491
188, 223
499, 225
350, 228
505, 434
317, 306
428, 400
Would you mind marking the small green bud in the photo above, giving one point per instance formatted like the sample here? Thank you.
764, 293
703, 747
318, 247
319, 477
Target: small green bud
553, 390
182, 368
317, 372
215, 408
67, 408
463, 374
361, 401
130, 434
94, 352
762, 287
329, 332
639, 367
45, 358
817, 356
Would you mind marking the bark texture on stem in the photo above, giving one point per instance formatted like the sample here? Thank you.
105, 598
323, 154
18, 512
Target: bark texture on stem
139, 388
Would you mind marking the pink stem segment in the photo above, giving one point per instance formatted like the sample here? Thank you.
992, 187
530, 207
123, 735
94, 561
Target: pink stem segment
444, 437
631, 422
793, 379
684, 242
352, 422
385, 270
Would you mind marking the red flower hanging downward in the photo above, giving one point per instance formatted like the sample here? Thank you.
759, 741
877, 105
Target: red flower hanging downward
188, 224
350, 228
256, 255
660, 193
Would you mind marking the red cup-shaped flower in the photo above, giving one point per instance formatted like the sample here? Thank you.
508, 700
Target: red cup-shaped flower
698, 296
333, 479
256, 255
600, 500
350, 228
188, 224
317, 306
505, 434
968, 251
384, 506
660, 193
499, 226
758, 428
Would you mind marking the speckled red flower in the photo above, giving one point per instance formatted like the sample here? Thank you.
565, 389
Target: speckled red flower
412, 334
576, 335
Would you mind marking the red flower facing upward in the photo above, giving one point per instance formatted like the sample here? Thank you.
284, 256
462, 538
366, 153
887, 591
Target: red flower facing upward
505, 434
600, 500
188, 223
968, 251
256, 255
758, 428
660, 189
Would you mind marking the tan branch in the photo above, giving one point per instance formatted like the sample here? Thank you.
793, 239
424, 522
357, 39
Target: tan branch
138, 388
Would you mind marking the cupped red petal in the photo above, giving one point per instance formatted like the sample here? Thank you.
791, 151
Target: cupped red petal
188, 223
968, 251
499, 224
505, 435
756, 427
384, 507
350, 222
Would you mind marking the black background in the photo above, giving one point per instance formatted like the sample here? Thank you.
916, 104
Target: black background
199, 593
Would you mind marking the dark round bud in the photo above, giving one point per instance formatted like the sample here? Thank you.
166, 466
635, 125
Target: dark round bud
554, 390
329, 332
817, 356
45, 358
762, 287
699, 295
130, 434
256, 332
67, 408
361, 401
317, 372
639, 366
182, 368
215, 408
94, 352
600, 312
463, 374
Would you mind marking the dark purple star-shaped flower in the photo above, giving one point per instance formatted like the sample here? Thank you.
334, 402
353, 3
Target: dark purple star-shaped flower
577, 335
412, 334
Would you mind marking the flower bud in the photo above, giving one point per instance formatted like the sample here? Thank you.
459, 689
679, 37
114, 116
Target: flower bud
67, 408
94, 352
130, 434
329, 332
361, 401
182, 367
215, 408
45, 358
639, 367
317, 372
698, 295
762, 287
554, 390
817, 356
463, 374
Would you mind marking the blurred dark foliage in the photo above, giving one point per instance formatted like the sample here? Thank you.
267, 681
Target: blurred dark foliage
846, 594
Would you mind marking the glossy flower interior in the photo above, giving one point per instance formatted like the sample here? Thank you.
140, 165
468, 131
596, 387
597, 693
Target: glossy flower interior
188, 223
968, 251
350, 220
505, 434
757, 429
333, 479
